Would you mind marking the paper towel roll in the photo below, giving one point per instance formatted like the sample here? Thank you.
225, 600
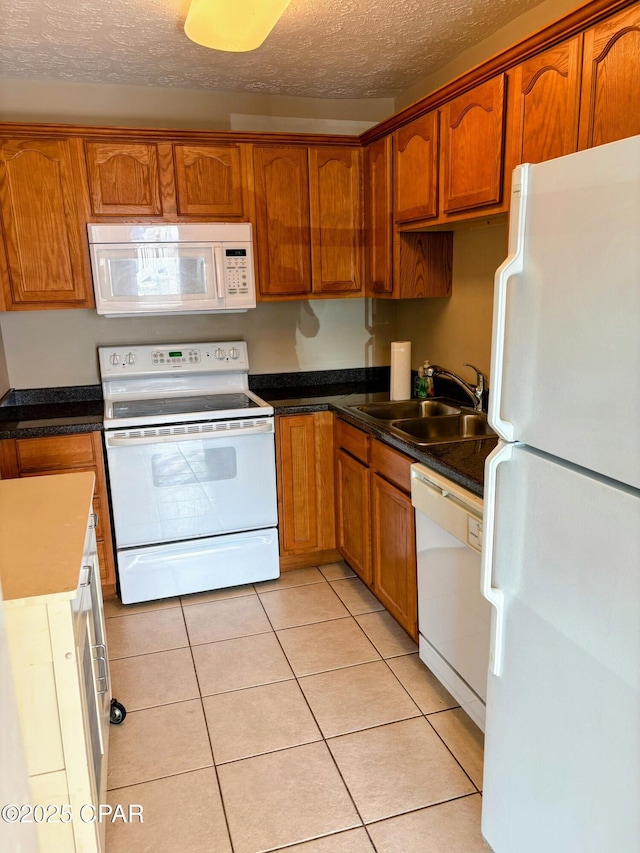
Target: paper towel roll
400, 370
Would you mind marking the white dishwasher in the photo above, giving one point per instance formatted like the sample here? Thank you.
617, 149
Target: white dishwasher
454, 620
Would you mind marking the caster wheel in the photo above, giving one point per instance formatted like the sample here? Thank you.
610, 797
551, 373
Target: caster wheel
118, 713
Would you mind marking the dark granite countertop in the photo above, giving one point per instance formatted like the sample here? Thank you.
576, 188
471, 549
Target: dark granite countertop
63, 411
51, 411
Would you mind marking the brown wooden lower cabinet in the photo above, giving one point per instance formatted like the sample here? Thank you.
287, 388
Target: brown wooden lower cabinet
353, 514
375, 521
394, 552
306, 501
65, 454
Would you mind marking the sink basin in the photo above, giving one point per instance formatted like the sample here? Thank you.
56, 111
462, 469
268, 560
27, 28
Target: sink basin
467, 425
399, 409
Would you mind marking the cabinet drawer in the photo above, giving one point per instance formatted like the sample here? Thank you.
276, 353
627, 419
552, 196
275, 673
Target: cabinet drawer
393, 466
354, 441
55, 452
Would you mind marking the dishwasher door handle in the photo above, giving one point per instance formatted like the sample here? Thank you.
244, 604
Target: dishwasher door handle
495, 596
449, 494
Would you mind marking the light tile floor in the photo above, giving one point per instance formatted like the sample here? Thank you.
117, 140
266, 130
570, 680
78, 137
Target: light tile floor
289, 714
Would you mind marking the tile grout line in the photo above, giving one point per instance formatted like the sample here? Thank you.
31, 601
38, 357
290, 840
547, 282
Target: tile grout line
323, 738
206, 724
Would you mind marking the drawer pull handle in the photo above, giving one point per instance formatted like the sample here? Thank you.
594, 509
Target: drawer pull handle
94, 518
101, 658
87, 581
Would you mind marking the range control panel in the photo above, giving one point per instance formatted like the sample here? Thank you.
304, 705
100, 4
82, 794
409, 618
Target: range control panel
224, 357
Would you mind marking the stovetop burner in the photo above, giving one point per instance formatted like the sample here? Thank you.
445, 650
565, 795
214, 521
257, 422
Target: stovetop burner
182, 405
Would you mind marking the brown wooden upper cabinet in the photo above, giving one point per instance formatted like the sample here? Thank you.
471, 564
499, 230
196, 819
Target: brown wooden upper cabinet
471, 146
337, 228
158, 179
124, 178
378, 208
399, 264
309, 226
43, 209
283, 230
543, 105
610, 105
415, 170
209, 181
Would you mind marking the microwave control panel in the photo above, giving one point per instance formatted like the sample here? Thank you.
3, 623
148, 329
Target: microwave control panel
237, 270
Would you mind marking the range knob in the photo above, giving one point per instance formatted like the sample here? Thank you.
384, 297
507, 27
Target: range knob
131, 358
234, 352
219, 354
114, 358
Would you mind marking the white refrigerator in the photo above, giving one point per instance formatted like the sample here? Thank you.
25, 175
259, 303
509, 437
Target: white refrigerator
561, 554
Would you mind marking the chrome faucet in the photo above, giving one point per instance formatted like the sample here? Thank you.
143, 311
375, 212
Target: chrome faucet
475, 392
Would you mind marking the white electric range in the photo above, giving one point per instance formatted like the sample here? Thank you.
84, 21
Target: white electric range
191, 463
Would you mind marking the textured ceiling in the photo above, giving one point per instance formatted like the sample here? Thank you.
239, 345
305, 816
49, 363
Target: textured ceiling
319, 48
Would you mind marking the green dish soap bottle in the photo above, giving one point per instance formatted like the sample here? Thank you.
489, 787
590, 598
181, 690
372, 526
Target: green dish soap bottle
420, 386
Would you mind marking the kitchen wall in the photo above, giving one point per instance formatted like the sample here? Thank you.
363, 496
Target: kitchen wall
449, 331
150, 106
58, 348
4, 371
521, 27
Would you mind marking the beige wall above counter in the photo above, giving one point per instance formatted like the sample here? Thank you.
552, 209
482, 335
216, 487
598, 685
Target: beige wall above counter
455, 330
58, 348
4, 370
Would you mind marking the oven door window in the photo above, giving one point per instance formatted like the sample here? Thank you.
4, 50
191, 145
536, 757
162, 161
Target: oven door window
177, 490
193, 465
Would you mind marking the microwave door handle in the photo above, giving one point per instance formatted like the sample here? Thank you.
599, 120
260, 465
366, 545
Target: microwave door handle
219, 268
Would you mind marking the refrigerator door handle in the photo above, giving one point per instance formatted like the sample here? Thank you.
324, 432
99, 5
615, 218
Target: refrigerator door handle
511, 266
495, 596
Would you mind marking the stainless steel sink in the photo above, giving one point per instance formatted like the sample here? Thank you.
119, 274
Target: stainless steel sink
393, 410
462, 427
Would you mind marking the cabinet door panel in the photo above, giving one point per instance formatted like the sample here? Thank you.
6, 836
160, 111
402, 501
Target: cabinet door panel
305, 483
472, 147
610, 107
41, 202
283, 233
544, 98
336, 219
209, 180
353, 514
394, 553
378, 217
124, 178
415, 169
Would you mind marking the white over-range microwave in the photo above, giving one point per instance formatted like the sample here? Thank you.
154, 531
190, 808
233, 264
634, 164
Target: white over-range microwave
172, 268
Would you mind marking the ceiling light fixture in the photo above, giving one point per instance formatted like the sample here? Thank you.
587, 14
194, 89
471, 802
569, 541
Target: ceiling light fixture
232, 25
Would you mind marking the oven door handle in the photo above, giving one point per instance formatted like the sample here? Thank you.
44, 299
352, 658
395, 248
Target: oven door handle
128, 441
